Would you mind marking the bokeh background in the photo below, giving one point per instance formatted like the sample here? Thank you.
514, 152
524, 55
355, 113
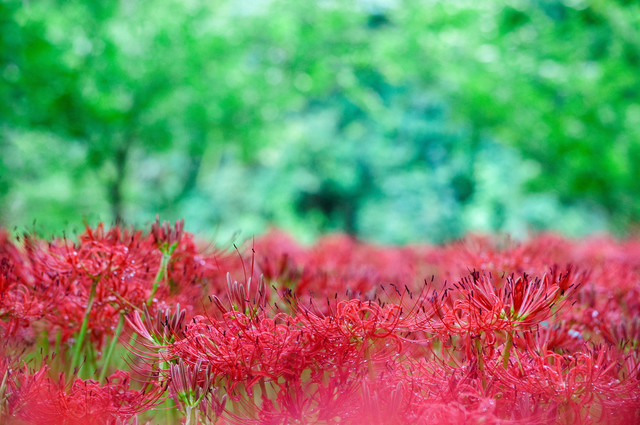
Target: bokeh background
392, 120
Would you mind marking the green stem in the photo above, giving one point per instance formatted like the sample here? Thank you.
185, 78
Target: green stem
171, 411
83, 329
2, 390
367, 356
162, 271
481, 363
192, 417
56, 349
89, 365
507, 351
45, 343
111, 348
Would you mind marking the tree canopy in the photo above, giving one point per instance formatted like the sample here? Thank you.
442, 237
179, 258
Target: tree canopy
390, 120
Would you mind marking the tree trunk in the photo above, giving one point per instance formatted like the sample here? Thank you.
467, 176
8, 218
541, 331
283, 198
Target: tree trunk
115, 187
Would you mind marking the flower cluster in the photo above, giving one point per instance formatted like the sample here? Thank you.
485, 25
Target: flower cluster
125, 326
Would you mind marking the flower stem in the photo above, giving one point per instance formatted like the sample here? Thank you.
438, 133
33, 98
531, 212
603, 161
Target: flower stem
507, 351
367, 356
57, 348
112, 346
90, 364
45, 343
162, 272
481, 363
3, 397
83, 329
192, 418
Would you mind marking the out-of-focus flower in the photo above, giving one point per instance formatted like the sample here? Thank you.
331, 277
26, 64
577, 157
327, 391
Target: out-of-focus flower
34, 398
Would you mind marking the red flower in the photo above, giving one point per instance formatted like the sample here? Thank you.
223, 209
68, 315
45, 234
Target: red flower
483, 302
34, 398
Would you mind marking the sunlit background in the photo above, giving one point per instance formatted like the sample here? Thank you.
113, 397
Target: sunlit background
395, 121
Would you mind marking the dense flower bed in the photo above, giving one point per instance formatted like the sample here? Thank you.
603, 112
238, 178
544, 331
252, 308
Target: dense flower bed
125, 326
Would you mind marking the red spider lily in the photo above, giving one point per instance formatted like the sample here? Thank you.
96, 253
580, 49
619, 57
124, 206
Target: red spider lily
333, 333
329, 397
17, 307
623, 332
107, 272
278, 257
586, 387
165, 237
34, 398
182, 270
22, 300
530, 300
102, 274
160, 331
381, 406
328, 400
338, 263
483, 302
189, 386
359, 322
191, 273
547, 337
243, 300
157, 335
243, 350
501, 255
252, 350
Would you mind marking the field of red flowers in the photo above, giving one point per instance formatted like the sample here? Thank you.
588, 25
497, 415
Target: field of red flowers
124, 326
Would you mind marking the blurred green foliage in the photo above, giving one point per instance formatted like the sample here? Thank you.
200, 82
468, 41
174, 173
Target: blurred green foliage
392, 120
